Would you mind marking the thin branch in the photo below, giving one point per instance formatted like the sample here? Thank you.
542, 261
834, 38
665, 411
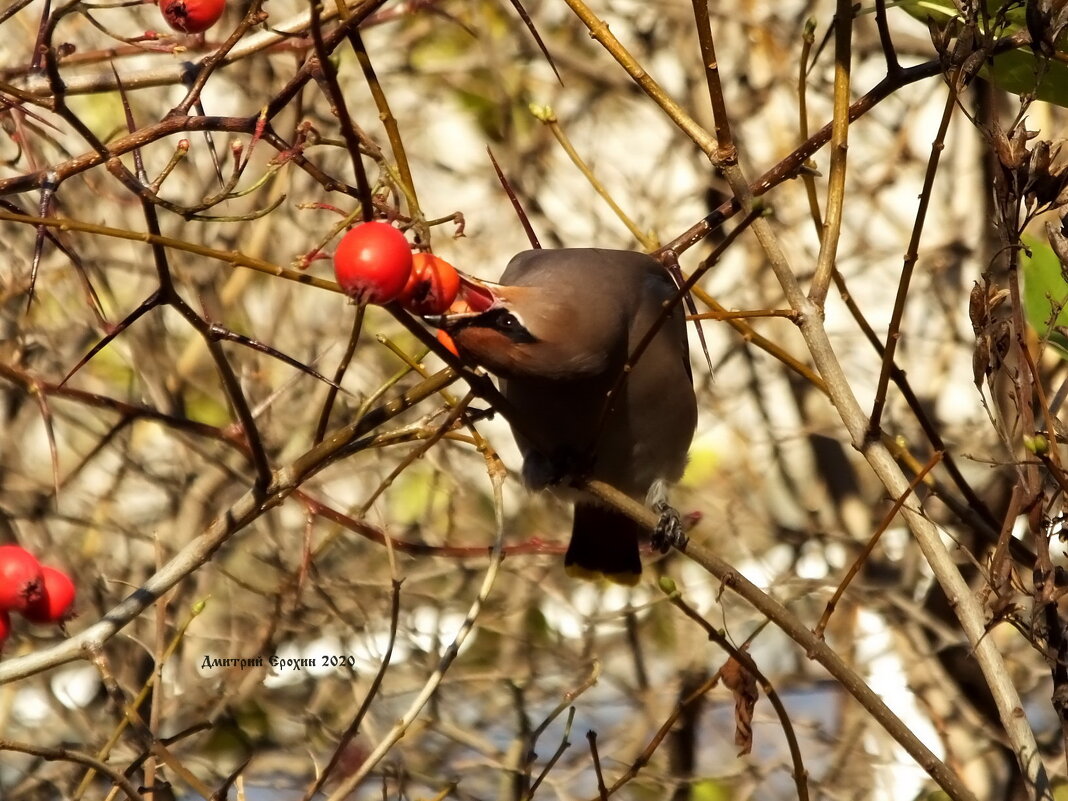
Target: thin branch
869, 546
743, 657
77, 757
911, 255
354, 725
814, 648
832, 221
229, 521
345, 788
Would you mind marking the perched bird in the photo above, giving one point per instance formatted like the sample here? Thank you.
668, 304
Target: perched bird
558, 331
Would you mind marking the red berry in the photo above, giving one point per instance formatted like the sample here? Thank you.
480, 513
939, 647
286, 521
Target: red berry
446, 340
191, 16
20, 578
476, 295
5, 627
56, 599
372, 262
432, 286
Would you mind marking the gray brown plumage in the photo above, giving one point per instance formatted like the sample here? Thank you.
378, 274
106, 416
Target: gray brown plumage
558, 331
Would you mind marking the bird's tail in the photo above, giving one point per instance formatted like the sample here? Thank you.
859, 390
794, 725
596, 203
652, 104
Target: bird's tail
604, 544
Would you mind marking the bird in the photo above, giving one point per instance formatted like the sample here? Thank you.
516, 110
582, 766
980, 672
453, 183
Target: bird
557, 331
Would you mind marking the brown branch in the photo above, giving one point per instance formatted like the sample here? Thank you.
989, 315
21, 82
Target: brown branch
77, 757
814, 648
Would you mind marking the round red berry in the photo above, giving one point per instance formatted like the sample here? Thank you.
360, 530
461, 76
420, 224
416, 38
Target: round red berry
446, 340
5, 627
432, 286
191, 16
20, 578
57, 598
373, 262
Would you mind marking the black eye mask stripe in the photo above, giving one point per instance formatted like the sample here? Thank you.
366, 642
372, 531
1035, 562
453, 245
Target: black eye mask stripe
500, 320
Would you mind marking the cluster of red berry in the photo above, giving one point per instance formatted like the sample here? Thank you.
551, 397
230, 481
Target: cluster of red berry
374, 264
39, 593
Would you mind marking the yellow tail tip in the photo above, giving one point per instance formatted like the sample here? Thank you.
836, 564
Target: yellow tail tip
589, 574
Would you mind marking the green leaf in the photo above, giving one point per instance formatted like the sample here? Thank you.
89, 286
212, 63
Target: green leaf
1020, 71
923, 10
1045, 292
943, 10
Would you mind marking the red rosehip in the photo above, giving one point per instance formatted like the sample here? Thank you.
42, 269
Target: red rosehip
56, 599
5, 627
20, 578
372, 262
432, 286
191, 16
446, 340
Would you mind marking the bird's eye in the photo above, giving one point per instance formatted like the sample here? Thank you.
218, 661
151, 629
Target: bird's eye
508, 324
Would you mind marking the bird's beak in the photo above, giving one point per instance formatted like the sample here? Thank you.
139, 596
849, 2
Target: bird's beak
474, 298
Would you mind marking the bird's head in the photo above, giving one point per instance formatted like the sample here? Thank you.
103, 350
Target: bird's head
556, 330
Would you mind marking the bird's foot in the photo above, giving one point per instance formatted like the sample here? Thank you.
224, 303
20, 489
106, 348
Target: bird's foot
668, 532
476, 415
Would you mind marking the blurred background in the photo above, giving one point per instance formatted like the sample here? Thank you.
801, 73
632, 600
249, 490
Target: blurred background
112, 473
